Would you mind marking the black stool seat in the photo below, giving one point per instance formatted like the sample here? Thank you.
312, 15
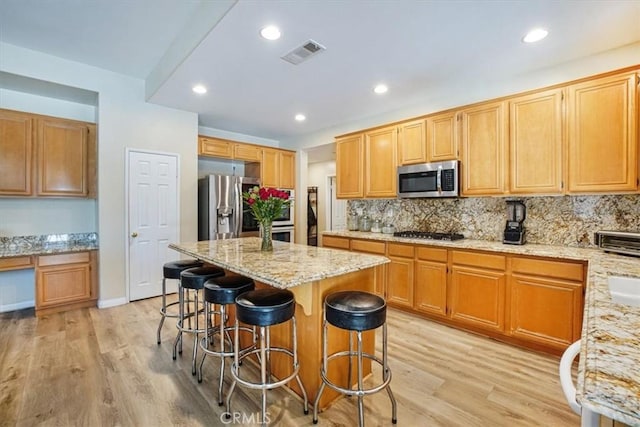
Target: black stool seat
225, 289
172, 270
355, 310
265, 307
194, 278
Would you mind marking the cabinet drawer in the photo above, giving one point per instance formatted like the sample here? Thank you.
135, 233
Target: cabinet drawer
59, 259
368, 246
558, 269
16, 263
496, 262
335, 242
405, 251
432, 254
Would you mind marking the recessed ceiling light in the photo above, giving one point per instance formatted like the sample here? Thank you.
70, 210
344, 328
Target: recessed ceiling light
535, 35
199, 89
381, 88
270, 32
301, 117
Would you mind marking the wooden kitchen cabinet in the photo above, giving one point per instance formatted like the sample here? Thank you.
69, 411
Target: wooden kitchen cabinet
350, 167
16, 263
547, 299
376, 248
381, 164
412, 142
478, 285
278, 168
442, 138
16, 153
63, 158
430, 285
603, 134
215, 147
400, 274
65, 281
247, 152
536, 143
335, 242
484, 153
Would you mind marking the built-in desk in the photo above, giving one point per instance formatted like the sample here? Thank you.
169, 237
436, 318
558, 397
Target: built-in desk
310, 273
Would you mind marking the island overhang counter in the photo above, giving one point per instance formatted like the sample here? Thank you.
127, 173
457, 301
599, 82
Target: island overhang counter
311, 273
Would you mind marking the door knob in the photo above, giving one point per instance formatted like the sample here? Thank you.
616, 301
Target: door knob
134, 234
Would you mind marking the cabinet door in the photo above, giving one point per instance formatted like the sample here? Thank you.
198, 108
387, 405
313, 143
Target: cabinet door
483, 149
62, 158
442, 140
249, 153
412, 143
400, 281
335, 242
536, 143
63, 279
350, 167
546, 311
16, 144
381, 165
478, 297
430, 289
269, 168
214, 147
603, 135
287, 169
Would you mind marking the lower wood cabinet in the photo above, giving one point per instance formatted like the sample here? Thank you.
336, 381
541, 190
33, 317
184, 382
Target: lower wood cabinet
430, 285
376, 248
65, 281
400, 274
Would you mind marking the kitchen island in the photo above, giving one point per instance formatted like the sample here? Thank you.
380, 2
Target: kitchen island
310, 273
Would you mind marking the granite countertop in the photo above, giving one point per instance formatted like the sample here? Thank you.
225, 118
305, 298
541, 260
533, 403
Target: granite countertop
47, 244
609, 371
288, 265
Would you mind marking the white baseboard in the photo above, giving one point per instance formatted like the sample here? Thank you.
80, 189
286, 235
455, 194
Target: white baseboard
106, 303
17, 306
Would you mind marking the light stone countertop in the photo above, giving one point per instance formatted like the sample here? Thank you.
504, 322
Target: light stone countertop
288, 265
609, 371
47, 244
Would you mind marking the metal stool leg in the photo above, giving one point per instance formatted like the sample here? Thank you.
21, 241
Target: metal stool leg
386, 373
324, 368
177, 345
164, 307
360, 386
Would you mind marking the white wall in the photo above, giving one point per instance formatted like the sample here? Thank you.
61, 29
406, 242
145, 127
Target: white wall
317, 177
124, 120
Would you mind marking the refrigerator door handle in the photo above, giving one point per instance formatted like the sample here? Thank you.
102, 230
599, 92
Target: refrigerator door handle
239, 215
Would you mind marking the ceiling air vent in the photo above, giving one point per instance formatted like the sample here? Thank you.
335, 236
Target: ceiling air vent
304, 52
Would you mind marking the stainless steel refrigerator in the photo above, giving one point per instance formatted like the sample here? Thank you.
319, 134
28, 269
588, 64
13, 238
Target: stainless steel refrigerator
221, 211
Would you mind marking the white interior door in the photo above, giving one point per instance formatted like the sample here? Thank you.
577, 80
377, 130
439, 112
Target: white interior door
338, 208
153, 220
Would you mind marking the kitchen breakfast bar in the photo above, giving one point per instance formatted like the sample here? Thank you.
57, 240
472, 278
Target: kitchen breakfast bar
311, 273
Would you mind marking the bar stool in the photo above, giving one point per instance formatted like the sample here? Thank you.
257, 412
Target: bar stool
172, 270
355, 311
221, 292
265, 308
192, 279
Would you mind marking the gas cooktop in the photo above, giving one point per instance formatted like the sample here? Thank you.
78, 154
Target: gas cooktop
428, 235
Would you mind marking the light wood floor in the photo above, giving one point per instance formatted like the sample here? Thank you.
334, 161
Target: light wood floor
92, 367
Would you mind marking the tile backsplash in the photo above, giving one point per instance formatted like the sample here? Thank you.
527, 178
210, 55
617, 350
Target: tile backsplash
561, 220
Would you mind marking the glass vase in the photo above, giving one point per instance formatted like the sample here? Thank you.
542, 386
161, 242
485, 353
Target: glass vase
265, 233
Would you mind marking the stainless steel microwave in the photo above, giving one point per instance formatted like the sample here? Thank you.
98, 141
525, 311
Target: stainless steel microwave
438, 179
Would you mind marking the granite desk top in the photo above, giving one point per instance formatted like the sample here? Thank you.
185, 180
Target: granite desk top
47, 244
609, 371
288, 265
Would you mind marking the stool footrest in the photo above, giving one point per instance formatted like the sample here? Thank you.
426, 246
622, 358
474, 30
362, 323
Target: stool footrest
216, 331
267, 386
356, 392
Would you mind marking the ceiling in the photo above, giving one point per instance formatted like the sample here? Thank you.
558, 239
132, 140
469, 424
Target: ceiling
420, 49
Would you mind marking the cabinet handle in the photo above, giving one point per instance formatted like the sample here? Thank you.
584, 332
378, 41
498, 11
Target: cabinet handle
134, 234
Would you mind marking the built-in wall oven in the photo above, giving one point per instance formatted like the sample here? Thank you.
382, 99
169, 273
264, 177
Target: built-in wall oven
283, 234
250, 226
287, 215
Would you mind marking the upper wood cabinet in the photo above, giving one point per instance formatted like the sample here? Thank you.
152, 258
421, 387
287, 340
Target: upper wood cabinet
381, 164
63, 158
278, 168
247, 152
442, 138
536, 142
484, 154
350, 167
603, 134
16, 146
412, 143
215, 147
